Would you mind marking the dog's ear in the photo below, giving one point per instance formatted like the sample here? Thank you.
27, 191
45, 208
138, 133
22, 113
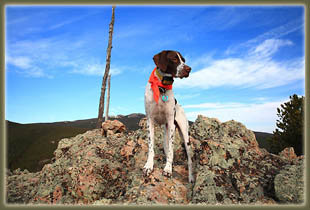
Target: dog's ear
161, 60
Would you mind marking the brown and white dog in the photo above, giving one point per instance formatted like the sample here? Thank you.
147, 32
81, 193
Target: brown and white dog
161, 108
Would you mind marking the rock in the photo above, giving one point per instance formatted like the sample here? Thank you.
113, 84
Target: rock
143, 123
204, 128
21, 186
288, 153
289, 184
110, 128
89, 168
231, 168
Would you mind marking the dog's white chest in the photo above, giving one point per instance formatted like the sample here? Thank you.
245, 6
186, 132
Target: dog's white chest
159, 113
163, 110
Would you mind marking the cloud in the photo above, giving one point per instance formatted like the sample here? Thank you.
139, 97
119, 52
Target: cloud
257, 69
96, 69
18, 20
49, 55
70, 21
215, 105
31, 58
226, 17
275, 33
260, 99
26, 66
268, 48
186, 96
256, 116
33, 55
43, 57
21, 61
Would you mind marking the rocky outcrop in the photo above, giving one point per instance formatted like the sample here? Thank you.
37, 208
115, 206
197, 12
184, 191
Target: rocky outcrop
288, 153
110, 127
229, 168
289, 183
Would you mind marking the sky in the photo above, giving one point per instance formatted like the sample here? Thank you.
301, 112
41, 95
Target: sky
246, 60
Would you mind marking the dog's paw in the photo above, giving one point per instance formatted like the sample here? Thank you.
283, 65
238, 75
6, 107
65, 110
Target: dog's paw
167, 174
147, 171
167, 171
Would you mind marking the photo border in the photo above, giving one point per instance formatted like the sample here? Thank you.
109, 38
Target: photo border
3, 3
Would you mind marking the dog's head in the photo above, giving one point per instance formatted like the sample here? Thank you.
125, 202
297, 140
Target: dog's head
172, 62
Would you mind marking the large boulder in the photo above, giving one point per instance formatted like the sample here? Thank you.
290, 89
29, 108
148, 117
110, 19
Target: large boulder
289, 183
112, 127
288, 153
229, 168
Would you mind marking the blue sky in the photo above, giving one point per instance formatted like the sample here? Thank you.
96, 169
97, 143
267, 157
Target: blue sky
246, 60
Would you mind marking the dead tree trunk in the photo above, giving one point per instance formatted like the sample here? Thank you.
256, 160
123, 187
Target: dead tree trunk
108, 99
106, 73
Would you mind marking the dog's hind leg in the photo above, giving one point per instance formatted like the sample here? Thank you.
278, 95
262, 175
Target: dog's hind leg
148, 167
182, 125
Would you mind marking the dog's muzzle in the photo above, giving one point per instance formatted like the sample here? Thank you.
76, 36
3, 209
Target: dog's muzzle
185, 71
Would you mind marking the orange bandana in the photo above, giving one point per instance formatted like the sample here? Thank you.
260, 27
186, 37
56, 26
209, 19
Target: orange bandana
154, 85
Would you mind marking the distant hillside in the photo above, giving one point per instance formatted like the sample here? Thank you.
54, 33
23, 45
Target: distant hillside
30, 146
262, 139
131, 121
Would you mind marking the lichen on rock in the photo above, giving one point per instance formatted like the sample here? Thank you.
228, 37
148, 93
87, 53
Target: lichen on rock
229, 168
289, 184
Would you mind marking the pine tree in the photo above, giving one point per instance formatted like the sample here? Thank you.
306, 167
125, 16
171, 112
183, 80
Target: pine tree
290, 126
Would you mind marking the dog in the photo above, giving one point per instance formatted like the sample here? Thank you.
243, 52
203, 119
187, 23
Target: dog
161, 108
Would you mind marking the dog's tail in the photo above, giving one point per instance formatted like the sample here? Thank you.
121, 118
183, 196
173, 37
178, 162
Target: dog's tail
182, 125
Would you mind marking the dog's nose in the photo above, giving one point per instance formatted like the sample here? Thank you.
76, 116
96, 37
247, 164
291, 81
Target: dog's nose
188, 69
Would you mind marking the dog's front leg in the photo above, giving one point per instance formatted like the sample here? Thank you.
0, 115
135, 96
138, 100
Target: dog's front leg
148, 167
168, 168
166, 140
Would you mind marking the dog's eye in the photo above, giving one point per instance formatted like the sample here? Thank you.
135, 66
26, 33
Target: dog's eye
174, 60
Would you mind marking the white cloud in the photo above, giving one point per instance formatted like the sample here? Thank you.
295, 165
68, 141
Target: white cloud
280, 31
226, 18
260, 99
258, 70
255, 116
61, 24
20, 61
274, 33
186, 96
215, 105
26, 66
96, 69
203, 60
69, 21
43, 57
18, 20
268, 48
